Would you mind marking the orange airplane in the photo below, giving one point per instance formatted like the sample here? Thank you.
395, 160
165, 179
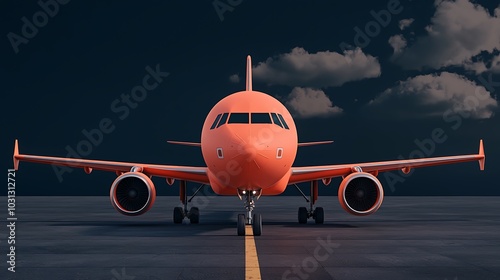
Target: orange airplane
249, 143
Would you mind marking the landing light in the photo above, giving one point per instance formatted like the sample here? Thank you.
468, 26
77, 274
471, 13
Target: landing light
244, 192
254, 192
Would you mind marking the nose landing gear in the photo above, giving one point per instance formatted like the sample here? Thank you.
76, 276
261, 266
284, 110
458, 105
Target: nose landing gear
251, 218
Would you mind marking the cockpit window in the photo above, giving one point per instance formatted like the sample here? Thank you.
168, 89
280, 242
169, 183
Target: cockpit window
246, 118
216, 121
238, 118
223, 119
261, 118
276, 120
283, 121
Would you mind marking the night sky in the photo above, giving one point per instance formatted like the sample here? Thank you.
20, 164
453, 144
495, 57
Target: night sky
377, 77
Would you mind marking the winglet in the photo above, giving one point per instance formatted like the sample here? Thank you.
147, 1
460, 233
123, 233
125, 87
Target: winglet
481, 153
16, 153
249, 74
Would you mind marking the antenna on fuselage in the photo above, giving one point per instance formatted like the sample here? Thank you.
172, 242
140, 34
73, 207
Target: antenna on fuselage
249, 73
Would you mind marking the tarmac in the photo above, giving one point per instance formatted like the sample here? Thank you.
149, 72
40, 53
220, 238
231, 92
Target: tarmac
77, 238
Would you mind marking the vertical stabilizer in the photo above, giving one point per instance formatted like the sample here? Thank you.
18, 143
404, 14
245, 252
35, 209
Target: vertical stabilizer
249, 73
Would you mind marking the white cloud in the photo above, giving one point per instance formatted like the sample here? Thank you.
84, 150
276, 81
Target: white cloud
478, 67
481, 67
308, 102
495, 64
433, 95
459, 30
319, 70
404, 23
235, 78
398, 43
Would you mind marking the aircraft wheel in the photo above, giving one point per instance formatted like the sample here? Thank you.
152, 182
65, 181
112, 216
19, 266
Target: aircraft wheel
178, 215
257, 224
194, 215
319, 215
241, 224
303, 215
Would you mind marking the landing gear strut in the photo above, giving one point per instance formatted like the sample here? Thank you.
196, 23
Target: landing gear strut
180, 213
251, 218
317, 214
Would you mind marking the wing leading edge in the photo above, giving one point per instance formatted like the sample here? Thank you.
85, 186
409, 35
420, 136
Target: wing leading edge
309, 173
188, 173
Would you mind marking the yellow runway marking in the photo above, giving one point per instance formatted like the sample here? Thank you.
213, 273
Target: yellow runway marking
252, 269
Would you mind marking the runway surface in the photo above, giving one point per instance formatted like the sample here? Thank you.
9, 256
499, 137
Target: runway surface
453, 238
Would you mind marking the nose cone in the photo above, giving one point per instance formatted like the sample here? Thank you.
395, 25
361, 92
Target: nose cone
258, 163
249, 156
250, 151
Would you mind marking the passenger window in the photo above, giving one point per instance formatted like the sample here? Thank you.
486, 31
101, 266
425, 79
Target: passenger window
216, 121
261, 118
223, 119
283, 121
238, 118
276, 120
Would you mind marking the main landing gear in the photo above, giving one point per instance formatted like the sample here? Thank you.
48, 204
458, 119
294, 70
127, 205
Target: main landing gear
251, 218
180, 213
317, 214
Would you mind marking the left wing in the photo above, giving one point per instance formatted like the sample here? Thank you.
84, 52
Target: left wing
310, 173
187, 173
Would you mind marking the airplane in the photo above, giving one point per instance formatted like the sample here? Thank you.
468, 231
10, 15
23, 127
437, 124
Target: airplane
249, 144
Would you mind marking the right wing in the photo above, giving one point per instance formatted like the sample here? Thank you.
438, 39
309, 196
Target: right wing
187, 173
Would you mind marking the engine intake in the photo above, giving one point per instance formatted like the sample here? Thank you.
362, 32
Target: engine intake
132, 193
361, 194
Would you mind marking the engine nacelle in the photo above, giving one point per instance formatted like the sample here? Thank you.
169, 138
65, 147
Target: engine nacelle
132, 193
361, 193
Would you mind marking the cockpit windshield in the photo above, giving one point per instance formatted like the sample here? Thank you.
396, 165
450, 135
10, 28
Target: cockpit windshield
238, 118
261, 118
249, 118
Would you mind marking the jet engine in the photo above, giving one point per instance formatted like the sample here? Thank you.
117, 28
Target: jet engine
132, 193
361, 194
